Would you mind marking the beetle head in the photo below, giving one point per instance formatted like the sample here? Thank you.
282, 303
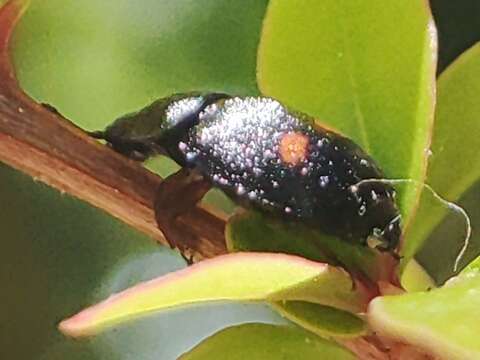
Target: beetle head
378, 214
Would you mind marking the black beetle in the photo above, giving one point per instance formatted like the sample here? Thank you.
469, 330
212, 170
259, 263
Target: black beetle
263, 156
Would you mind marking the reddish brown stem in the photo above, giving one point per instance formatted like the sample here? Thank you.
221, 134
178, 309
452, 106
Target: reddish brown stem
53, 150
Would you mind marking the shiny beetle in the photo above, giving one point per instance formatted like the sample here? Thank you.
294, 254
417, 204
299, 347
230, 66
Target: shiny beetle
263, 156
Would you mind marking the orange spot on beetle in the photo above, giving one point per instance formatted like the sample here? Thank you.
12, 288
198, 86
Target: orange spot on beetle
293, 148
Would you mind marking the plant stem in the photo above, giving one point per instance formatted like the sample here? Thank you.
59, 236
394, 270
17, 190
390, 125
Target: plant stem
42, 144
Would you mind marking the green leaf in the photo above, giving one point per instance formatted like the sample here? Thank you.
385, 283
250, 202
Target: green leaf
241, 277
446, 239
443, 321
352, 66
415, 278
265, 342
251, 231
473, 266
97, 60
322, 320
453, 165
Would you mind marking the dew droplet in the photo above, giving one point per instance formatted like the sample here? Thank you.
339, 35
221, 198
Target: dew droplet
240, 190
191, 155
252, 195
257, 171
268, 154
362, 210
223, 181
324, 181
182, 146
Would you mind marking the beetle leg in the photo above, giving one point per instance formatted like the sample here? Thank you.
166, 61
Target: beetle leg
175, 196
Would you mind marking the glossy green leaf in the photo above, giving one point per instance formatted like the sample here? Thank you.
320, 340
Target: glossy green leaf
443, 321
241, 277
322, 320
265, 342
251, 231
366, 69
455, 154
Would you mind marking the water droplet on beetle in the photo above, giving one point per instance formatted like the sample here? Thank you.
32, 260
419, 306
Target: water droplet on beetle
240, 189
362, 210
191, 156
324, 181
268, 154
257, 171
223, 181
182, 146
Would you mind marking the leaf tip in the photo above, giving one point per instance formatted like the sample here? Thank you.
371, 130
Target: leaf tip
75, 326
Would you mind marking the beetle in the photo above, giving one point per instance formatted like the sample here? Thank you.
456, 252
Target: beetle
263, 156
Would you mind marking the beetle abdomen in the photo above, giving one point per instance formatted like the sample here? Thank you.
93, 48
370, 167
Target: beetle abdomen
262, 155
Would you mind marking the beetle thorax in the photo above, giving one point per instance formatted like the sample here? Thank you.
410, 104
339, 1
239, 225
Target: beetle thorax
181, 111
